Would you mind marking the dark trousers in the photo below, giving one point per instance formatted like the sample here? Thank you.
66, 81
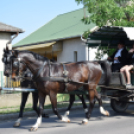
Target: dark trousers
116, 67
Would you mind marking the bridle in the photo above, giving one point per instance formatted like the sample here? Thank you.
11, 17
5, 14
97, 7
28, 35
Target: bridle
12, 61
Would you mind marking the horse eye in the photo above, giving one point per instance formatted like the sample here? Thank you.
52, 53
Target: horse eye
15, 64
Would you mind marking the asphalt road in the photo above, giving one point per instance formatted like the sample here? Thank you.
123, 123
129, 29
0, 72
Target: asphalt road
98, 124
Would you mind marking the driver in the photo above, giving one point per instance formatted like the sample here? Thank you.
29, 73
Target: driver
119, 57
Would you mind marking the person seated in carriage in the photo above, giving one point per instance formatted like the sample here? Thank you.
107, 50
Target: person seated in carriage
119, 58
126, 69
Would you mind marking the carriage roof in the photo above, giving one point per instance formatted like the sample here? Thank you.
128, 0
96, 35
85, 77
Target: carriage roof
110, 36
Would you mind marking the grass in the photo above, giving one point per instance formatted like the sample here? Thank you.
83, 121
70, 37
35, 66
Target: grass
16, 109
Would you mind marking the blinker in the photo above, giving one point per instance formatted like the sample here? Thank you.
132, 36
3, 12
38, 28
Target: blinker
6, 59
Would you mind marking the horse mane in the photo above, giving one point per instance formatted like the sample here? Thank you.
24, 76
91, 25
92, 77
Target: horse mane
36, 56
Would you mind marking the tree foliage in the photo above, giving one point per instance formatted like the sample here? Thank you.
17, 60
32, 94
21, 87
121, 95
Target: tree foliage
108, 12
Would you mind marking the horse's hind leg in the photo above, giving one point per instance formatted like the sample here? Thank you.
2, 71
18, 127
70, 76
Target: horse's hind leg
83, 103
91, 106
24, 97
98, 97
53, 99
71, 101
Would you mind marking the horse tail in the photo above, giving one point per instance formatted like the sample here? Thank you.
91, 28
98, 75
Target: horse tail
106, 71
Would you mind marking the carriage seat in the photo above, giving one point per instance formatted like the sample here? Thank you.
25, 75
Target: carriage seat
117, 80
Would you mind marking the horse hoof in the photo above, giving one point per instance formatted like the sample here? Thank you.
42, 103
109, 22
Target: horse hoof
17, 124
85, 121
45, 115
33, 129
65, 119
107, 113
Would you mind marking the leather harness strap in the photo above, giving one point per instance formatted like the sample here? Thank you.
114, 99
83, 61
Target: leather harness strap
65, 74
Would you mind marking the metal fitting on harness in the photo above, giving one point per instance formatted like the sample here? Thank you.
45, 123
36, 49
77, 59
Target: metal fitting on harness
65, 73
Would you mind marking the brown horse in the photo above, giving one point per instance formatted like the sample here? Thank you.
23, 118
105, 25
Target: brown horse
79, 74
27, 80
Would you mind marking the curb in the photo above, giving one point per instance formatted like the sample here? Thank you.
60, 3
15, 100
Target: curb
49, 111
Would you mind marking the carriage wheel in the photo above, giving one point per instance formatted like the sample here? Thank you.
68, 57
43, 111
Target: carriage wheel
119, 106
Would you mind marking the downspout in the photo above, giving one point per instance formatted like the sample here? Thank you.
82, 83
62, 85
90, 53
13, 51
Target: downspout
10, 41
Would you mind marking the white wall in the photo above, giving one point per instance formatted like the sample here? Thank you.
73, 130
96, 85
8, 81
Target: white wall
4, 38
91, 52
71, 45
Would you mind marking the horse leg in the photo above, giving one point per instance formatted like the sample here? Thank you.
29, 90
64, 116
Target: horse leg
53, 99
83, 103
41, 108
24, 97
71, 101
91, 106
35, 103
102, 110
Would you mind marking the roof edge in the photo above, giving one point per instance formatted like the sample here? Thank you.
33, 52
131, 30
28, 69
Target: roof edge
48, 41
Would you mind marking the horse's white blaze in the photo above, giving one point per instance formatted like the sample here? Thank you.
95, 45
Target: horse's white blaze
67, 113
103, 111
38, 122
86, 110
85, 120
19, 120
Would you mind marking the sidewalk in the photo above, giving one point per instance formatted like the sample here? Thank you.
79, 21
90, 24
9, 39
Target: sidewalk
49, 111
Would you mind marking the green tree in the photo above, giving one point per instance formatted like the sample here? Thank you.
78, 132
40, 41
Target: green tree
108, 12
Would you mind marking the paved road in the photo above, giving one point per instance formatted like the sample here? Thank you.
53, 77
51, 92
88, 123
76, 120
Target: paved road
99, 124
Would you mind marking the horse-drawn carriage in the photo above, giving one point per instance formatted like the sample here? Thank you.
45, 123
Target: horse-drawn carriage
116, 90
84, 83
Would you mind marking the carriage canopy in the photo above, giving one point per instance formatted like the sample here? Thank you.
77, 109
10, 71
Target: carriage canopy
110, 36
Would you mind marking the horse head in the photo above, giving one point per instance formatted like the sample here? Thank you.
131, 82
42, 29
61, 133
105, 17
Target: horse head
25, 59
6, 59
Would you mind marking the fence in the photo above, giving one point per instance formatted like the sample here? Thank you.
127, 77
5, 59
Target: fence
7, 82
12, 99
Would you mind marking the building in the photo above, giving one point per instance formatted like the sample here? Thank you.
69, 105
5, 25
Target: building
60, 38
6, 33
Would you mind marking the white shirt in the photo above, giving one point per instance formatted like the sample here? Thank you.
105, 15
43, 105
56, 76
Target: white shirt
118, 54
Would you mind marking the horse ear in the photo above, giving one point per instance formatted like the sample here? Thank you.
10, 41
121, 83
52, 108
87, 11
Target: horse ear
7, 49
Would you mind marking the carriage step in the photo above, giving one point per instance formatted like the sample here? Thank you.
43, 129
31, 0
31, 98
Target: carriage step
130, 88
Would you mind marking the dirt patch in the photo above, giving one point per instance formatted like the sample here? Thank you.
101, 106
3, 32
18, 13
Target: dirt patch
14, 100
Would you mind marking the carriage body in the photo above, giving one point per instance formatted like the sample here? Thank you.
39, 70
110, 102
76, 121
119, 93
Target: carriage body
109, 36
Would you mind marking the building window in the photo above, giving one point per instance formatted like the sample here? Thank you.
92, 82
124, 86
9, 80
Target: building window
75, 56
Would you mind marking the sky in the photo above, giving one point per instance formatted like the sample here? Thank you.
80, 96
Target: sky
30, 15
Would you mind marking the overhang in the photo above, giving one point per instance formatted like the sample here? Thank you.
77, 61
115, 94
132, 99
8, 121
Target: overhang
35, 46
111, 35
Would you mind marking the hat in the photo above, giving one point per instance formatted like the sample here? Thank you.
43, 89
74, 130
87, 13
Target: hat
121, 42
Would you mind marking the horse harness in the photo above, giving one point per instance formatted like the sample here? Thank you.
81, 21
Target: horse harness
64, 79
